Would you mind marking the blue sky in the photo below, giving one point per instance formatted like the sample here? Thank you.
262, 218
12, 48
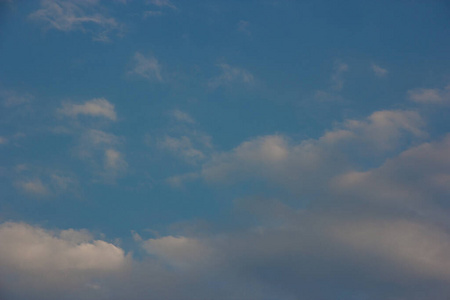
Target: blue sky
224, 149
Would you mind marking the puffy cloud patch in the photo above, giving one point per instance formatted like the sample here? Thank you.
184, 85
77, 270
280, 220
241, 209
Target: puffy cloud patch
431, 96
39, 260
310, 163
98, 107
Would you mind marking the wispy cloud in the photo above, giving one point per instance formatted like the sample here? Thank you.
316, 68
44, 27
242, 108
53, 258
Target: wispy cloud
33, 187
14, 98
162, 3
337, 78
84, 16
98, 107
182, 116
379, 71
431, 96
231, 74
146, 66
243, 26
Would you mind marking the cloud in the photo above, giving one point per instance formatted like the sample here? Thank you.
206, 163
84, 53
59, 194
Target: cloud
310, 163
418, 176
230, 75
12, 98
81, 16
100, 150
431, 96
43, 182
147, 67
379, 71
114, 161
97, 107
182, 116
242, 26
337, 78
163, 3
33, 187
35, 261
180, 252
3, 140
181, 146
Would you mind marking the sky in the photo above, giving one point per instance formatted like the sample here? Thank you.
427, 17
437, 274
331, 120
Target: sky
229, 150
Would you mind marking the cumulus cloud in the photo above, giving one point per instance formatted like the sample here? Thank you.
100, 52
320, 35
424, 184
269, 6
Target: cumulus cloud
53, 262
231, 74
430, 96
379, 71
146, 66
308, 164
84, 16
97, 107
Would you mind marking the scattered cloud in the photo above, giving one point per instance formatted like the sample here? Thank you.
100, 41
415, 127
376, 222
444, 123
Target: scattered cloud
100, 150
181, 146
152, 13
12, 98
231, 75
3, 140
84, 16
163, 3
43, 182
97, 107
431, 96
379, 71
33, 187
147, 67
182, 116
337, 78
243, 26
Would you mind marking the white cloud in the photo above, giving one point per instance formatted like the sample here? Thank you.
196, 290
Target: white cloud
230, 75
432, 96
379, 71
97, 107
310, 163
33, 259
81, 16
147, 67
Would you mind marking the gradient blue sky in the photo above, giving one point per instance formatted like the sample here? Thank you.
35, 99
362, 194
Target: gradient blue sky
224, 149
